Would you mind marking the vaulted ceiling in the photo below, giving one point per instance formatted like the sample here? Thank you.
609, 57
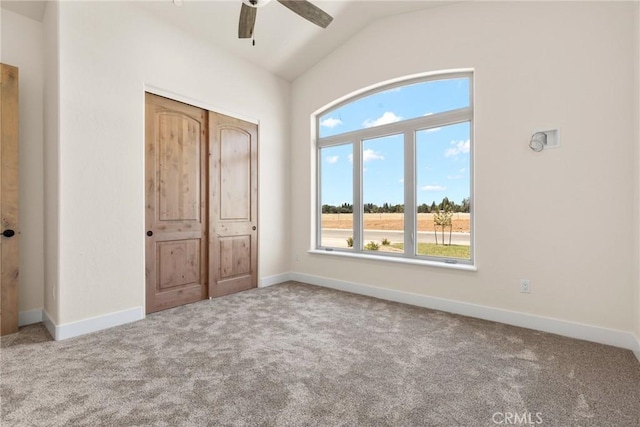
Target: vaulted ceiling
285, 44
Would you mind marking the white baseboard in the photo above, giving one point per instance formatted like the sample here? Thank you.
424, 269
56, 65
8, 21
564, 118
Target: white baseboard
49, 323
92, 324
274, 280
29, 317
592, 333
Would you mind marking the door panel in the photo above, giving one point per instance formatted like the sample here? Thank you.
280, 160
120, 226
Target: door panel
235, 174
179, 167
8, 199
178, 263
235, 256
233, 262
176, 193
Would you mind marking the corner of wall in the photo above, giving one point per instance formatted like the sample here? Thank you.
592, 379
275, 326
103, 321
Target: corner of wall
636, 195
51, 162
49, 324
637, 198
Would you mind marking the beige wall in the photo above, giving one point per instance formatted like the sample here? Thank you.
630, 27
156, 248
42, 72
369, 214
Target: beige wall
22, 46
561, 218
51, 161
108, 53
636, 209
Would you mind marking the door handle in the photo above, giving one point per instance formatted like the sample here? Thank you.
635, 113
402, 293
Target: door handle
8, 233
253, 228
149, 233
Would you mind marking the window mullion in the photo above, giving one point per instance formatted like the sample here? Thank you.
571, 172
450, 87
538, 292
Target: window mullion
357, 195
410, 235
318, 197
436, 120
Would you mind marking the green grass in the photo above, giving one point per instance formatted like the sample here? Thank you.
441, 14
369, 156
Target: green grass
453, 251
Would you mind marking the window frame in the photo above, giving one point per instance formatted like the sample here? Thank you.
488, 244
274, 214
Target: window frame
409, 129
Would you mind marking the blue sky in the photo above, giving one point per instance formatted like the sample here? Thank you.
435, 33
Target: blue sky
442, 154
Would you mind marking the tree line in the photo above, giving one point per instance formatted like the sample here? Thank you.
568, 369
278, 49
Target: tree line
445, 205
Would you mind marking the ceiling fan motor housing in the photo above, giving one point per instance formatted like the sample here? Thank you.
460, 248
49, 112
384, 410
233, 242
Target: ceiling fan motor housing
256, 3
304, 8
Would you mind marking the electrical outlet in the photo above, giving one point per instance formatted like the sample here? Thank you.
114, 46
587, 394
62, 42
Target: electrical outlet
525, 286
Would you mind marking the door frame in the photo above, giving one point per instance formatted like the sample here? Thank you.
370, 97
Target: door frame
195, 102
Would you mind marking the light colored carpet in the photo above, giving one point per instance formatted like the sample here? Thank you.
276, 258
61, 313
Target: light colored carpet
296, 355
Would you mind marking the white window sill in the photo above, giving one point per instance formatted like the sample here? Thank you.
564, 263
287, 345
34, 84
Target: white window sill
399, 260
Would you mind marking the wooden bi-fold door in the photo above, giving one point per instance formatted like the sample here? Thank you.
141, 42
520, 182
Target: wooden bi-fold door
201, 194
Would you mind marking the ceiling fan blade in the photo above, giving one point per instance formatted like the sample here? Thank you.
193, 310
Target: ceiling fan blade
308, 11
247, 21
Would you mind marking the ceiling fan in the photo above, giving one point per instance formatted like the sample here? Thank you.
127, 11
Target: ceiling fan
304, 8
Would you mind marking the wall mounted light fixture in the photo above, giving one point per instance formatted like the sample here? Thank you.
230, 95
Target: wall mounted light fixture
544, 139
538, 141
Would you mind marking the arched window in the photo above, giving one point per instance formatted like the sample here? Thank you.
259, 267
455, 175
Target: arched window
395, 168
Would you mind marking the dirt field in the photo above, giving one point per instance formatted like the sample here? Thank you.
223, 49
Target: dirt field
392, 221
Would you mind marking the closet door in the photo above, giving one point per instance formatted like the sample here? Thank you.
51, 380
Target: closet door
233, 264
176, 203
8, 199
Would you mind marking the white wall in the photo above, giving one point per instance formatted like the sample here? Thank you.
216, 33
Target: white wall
109, 51
51, 152
22, 46
561, 218
636, 209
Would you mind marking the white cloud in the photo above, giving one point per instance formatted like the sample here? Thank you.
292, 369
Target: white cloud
433, 188
401, 181
330, 122
459, 147
368, 155
332, 159
386, 118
